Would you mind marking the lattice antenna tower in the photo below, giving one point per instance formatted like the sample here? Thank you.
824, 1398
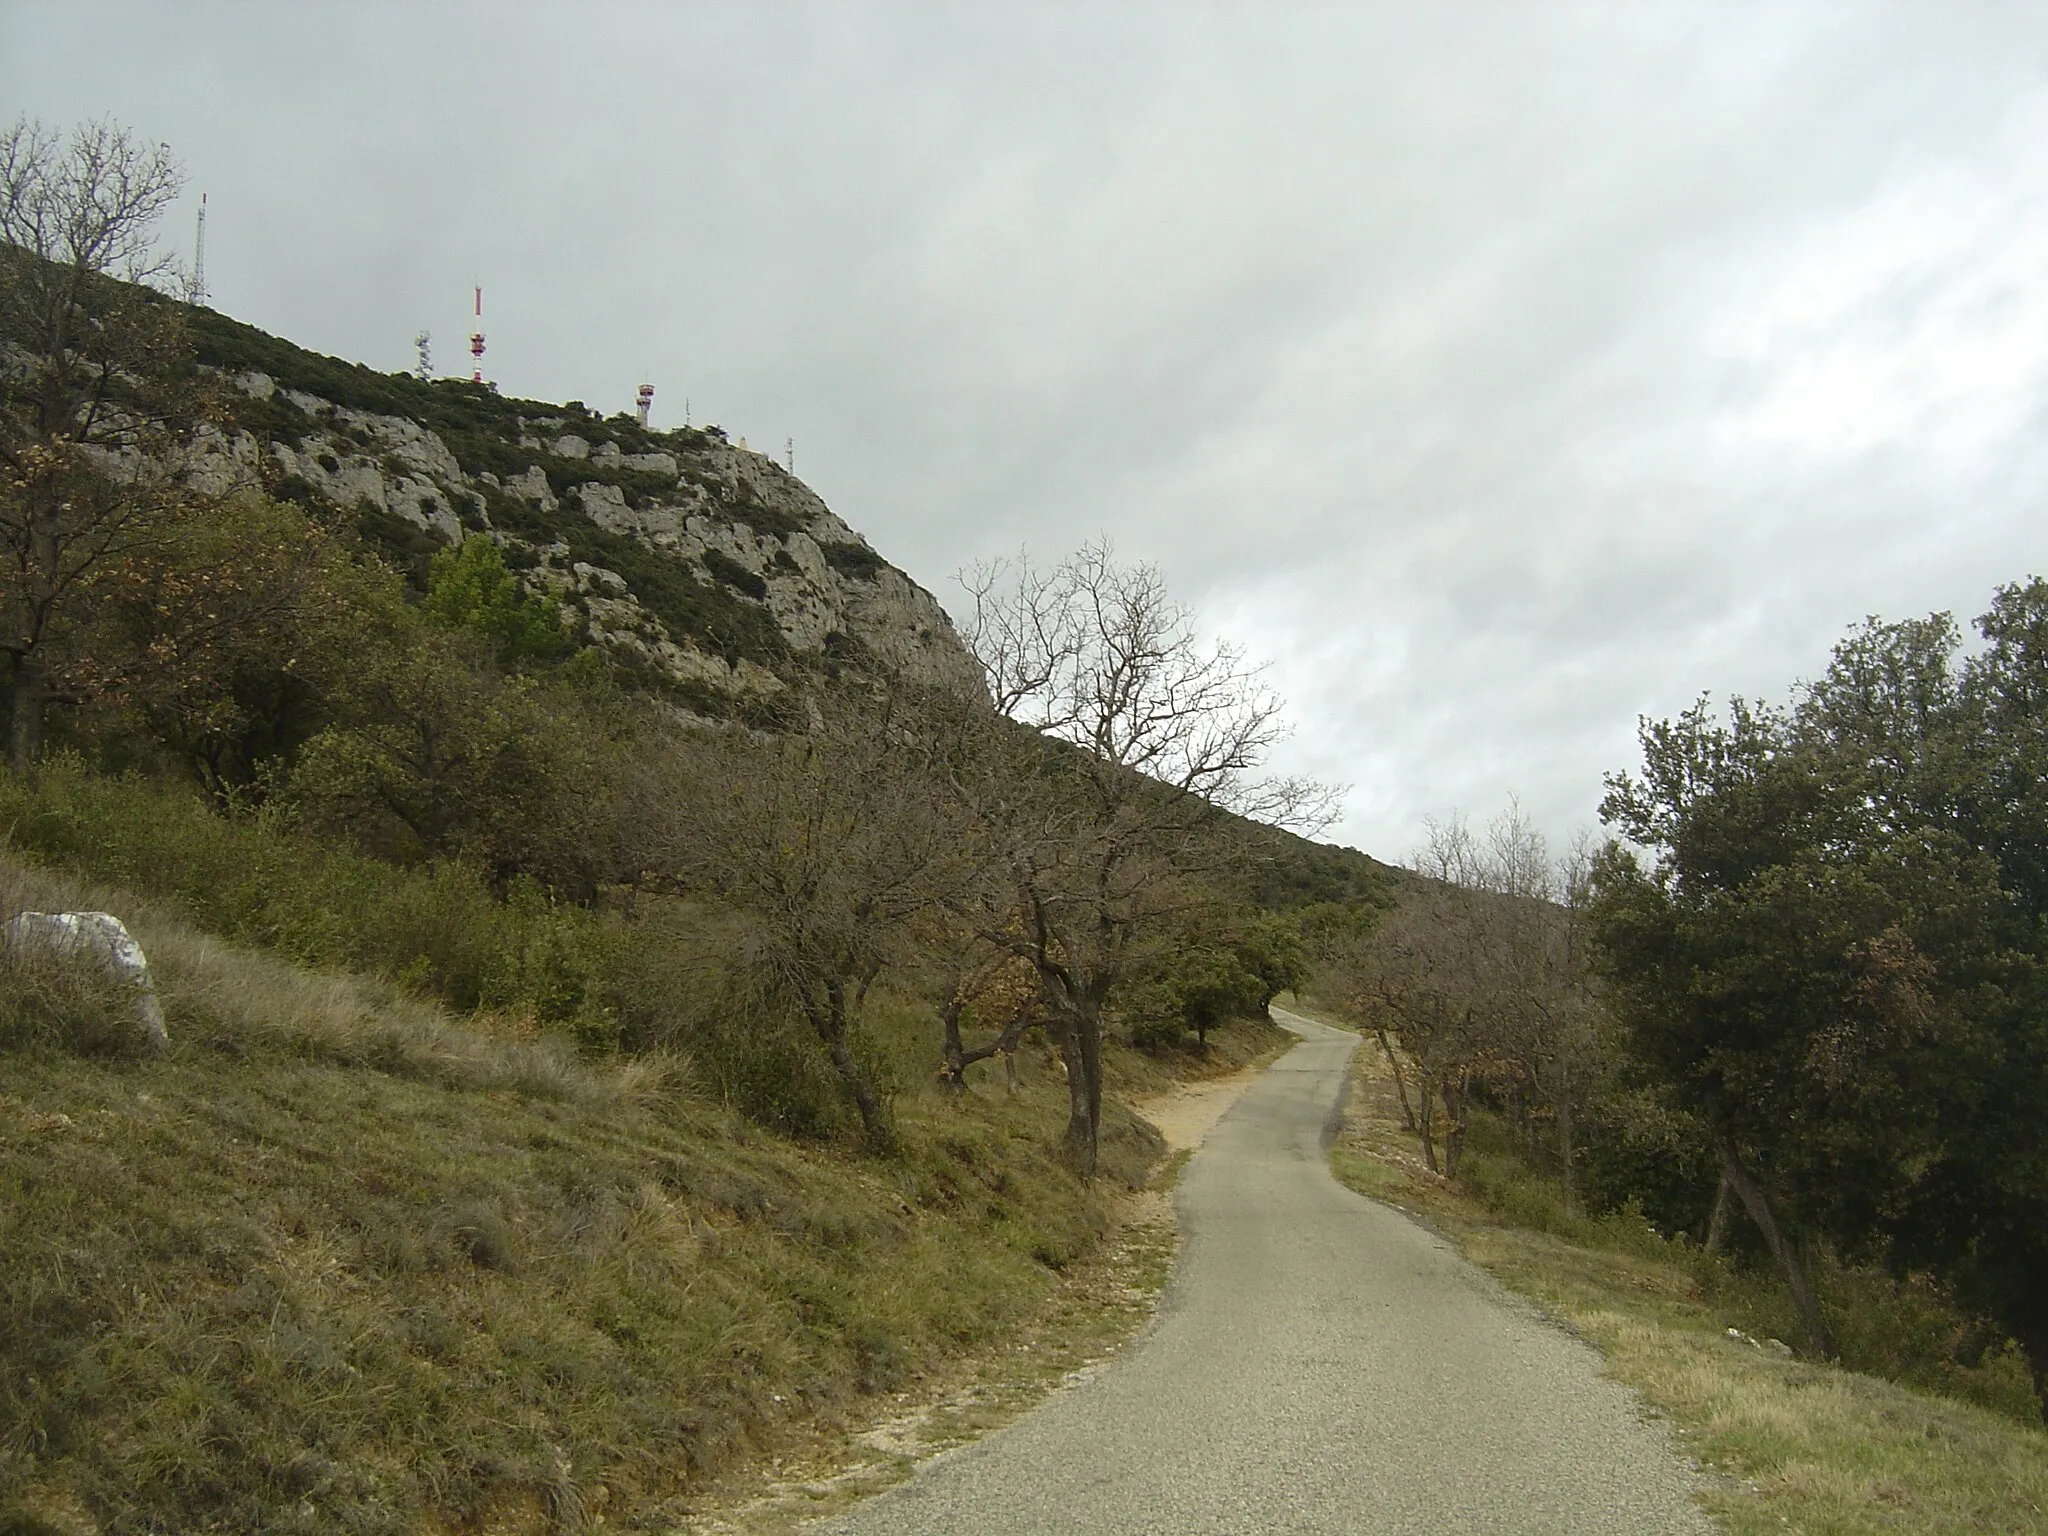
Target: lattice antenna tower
789, 453
199, 255
476, 339
423, 349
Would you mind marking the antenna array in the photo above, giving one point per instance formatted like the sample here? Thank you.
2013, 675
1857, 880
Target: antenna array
476, 339
199, 255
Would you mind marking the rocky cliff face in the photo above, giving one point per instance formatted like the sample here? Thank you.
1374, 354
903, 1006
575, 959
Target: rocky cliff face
704, 568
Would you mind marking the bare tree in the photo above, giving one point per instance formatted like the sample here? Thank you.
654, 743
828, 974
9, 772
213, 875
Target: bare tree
996, 989
1105, 813
1419, 978
835, 843
90, 392
1481, 974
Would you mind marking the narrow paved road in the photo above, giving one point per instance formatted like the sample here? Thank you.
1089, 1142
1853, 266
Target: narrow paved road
1321, 1364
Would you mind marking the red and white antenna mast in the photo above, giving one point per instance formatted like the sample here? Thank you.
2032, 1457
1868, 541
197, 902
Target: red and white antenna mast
476, 338
646, 402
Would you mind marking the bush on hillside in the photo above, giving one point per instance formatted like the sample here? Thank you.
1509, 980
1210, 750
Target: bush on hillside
470, 589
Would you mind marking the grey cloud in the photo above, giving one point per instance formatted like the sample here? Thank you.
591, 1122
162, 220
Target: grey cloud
1500, 371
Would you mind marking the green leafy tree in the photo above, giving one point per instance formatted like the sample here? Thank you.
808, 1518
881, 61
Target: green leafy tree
1950, 754
437, 753
1214, 986
1816, 961
470, 588
232, 647
1272, 949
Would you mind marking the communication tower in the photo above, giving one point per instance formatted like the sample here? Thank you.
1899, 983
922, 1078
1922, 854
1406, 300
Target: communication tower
476, 339
199, 255
789, 453
422, 345
646, 402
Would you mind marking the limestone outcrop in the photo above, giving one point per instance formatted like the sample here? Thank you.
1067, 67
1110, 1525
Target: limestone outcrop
686, 556
99, 938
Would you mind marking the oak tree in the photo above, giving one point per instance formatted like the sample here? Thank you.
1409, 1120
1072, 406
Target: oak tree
1105, 813
95, 397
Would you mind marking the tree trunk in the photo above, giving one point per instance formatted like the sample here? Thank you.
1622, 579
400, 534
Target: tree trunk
1425, 1119
1091, 1062
1567, 1149
1080, 1137
1400, 1087
952, 1054
953, 1071
25, 717
829, 1019
1454, 1124
1754, 1200
1717, 1223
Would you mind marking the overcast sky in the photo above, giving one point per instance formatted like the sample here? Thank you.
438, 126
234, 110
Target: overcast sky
1499, 372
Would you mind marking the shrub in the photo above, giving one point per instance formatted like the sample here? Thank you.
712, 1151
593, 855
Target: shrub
856, 562
469, 588
438, 929
731, 573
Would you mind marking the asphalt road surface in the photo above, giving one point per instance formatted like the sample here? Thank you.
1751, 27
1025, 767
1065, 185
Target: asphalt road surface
1320, 1364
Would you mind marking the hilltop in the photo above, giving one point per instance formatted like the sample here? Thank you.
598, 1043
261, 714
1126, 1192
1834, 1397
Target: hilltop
701, 568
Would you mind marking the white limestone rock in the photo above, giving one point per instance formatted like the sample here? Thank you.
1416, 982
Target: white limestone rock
101, 937
594, 578
606, 505
653, 464
533, 486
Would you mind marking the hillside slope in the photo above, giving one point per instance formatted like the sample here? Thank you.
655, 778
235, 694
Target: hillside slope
706, 571
701, 567
340, 1263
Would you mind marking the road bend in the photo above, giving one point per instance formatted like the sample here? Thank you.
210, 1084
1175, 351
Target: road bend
1320, 1364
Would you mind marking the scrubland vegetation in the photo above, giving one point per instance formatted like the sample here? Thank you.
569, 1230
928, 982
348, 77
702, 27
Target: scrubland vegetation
343, 1262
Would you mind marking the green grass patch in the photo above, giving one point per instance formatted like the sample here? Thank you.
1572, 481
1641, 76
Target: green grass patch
343, 1260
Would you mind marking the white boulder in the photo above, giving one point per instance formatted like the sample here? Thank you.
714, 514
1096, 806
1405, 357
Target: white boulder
100, 936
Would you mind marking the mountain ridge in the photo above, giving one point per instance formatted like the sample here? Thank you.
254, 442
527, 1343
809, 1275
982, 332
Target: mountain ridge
705, 570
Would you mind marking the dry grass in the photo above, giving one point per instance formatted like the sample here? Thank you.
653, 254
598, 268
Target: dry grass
237, 999
338, 1262
1792, 1446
